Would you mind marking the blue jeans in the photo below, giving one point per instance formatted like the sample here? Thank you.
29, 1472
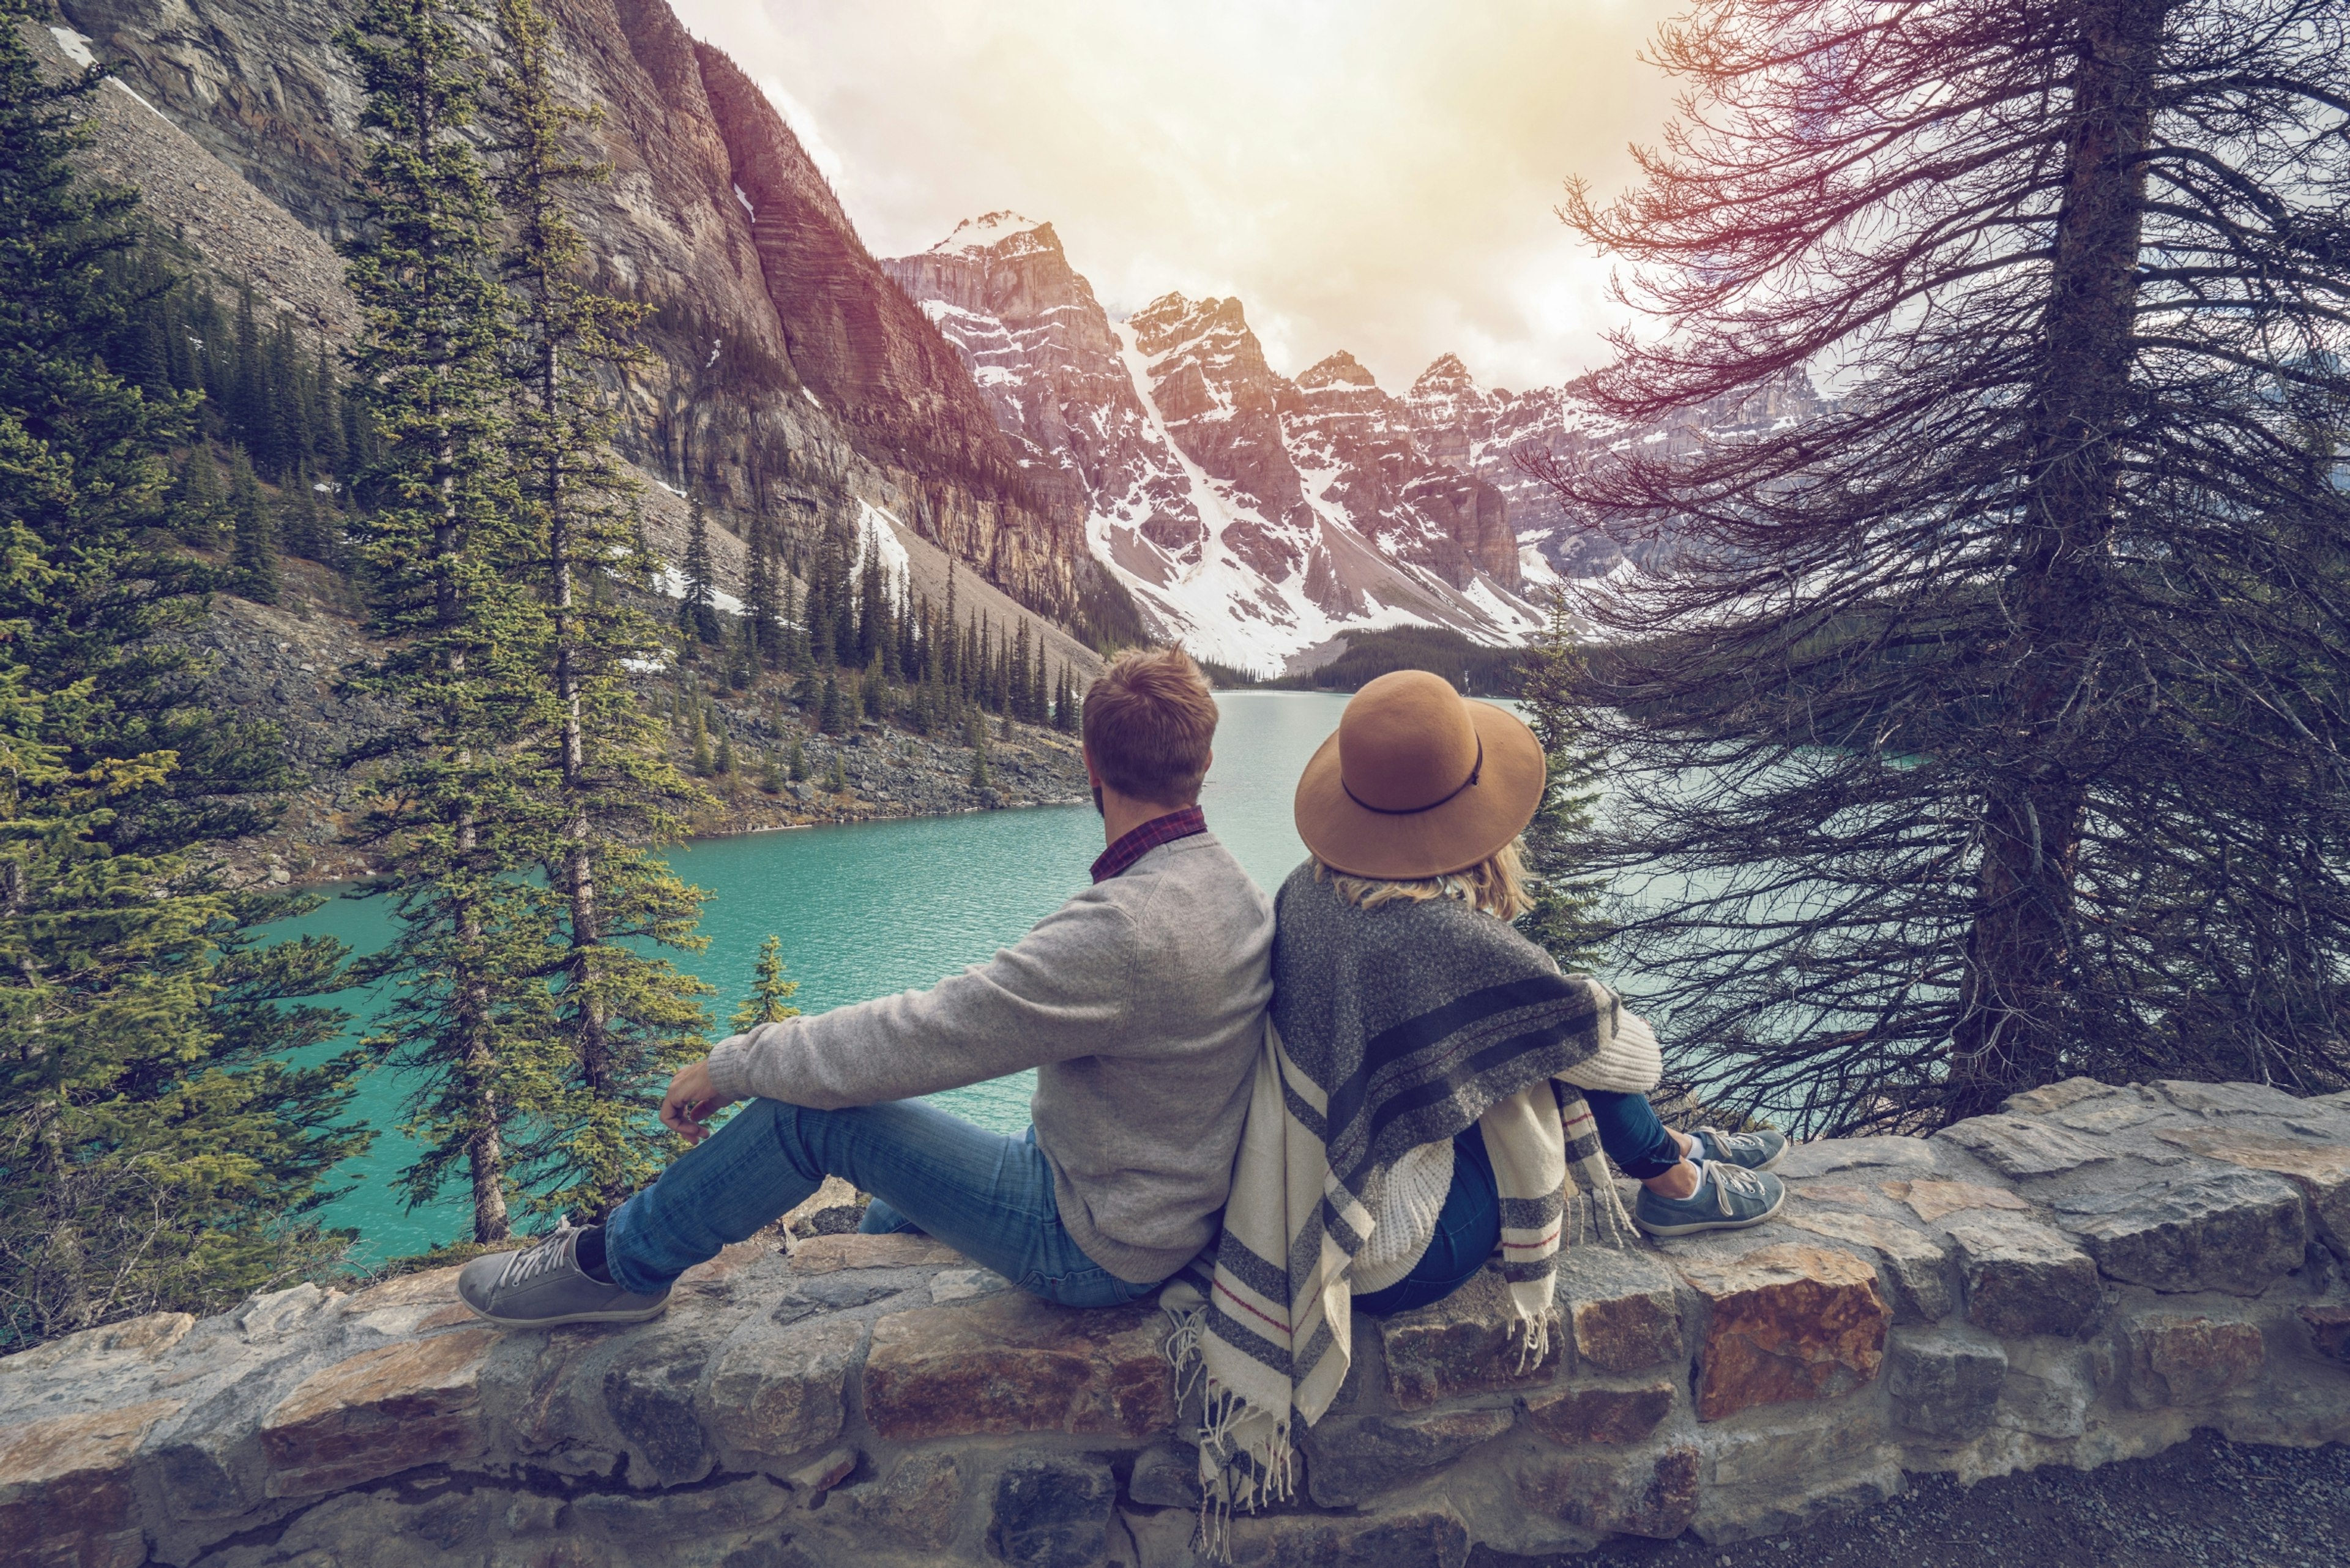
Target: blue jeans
1469, 1227
988, 1196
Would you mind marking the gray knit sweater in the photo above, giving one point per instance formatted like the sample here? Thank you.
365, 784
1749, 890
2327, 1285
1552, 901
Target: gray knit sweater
1140, 1002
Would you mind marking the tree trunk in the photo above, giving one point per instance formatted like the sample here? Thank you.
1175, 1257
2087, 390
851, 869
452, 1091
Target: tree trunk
2015, 1001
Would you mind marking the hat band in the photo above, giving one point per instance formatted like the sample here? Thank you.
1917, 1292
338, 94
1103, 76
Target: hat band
1416, 810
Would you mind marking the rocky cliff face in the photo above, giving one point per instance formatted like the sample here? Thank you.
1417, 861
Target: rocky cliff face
1486, 433
789, 378
1250, 516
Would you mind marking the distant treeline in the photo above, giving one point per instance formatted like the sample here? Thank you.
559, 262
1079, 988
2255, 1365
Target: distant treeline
1471, 667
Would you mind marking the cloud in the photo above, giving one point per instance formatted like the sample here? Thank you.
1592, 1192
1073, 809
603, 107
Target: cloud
1374, 175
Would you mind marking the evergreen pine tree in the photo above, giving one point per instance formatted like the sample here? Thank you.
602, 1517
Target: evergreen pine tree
704, 764
838, 781
1568, 917
197, 508
697, 610
975, 737
872, 596
832, 714
799, 761
460, 810
771, 993
255, 531
157, 1159
764, 609
248, 398
770, 775
628, 1016
327, 416
726, 754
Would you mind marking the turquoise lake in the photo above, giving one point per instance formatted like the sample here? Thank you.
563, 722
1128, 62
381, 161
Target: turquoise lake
870, 909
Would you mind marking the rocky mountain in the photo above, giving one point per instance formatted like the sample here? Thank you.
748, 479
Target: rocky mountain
1254, 516
789, 378
1459, 424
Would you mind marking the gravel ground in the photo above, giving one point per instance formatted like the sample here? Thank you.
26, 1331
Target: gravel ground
2206, 1503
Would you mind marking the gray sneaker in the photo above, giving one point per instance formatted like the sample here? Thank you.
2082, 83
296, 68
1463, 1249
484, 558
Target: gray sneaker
1727, 1197
543, 1285
1756, 1150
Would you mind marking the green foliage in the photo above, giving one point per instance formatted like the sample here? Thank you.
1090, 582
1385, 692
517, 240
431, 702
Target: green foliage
838, 781
197, 507
629, 1018
799, 761
254, 530
1472, 667
771, 993
155, 1158
697, 611
1568, 917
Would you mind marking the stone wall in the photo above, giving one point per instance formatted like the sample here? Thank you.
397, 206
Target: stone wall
2087, 1276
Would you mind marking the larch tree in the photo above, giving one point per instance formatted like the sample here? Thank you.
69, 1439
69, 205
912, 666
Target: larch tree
465, 803
630, 1017
1987, 728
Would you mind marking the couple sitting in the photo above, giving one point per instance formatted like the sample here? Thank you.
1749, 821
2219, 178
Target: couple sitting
1418, 1098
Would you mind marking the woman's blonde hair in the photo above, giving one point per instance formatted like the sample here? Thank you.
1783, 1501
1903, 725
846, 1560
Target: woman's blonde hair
1496, 885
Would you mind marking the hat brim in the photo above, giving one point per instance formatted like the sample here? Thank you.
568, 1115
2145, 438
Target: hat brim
1460, 833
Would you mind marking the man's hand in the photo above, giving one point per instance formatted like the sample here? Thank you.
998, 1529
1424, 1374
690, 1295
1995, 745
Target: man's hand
690, 1102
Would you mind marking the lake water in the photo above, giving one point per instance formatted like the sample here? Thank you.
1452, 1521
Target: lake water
870, 909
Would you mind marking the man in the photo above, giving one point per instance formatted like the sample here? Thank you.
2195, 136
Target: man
1139, 1003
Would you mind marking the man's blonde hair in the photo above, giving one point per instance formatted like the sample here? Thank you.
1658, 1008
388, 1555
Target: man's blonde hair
1150, 718
1496, 885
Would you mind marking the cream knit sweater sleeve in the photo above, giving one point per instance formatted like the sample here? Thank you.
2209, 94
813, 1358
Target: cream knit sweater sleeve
1628, 1061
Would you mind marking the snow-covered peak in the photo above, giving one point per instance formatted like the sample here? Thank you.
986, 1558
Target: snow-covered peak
988, 231
1448, 374
1341, 368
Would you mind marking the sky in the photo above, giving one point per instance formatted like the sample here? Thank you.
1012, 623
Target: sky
1374, 175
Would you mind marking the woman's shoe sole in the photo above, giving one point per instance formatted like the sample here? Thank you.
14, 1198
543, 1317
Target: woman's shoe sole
1696, 1226
638, 1314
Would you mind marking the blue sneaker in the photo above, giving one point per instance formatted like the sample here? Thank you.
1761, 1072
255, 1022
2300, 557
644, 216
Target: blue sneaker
1727, 1197
1756, 1150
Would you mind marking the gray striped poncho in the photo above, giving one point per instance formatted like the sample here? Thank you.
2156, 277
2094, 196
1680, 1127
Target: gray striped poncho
1390, 1028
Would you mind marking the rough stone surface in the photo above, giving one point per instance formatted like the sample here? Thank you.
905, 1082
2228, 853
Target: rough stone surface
876, 1402
1653, 1494
1009, 1363
1621, 1307
2015, 1146
2226, 1230
1052, 1512
1463, 1344
1945, 1384
2023, 1278
1581, 1416
1786, 1322
2180, 1359
1354, 1461
2322, 1170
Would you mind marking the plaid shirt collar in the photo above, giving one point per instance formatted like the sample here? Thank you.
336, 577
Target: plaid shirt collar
1142, 840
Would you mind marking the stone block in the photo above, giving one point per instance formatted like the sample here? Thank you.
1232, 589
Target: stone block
2220, 1100
1805, 1160
2232, 1231
1166, 1475
1786, 1323
1052, 1512
652, 1525
2180, 1359
650, 1393
65, 1494
1848, 1194
2055, 1096
776, 1392
110, 1349
1790, 1443
2022, 1278
1621, 1306
900, 1249
1918, 1264
916, 1504
1468, 1343
2322, 1170
1410, 1537
1011, 1363
416, 1402
1356, 1461
2329, 1329
1582, 1416
2049, 1389
2015, 1146
1653, 1494
1933, 1201
1945, 1383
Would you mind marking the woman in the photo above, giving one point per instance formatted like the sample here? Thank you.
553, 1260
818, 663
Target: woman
1397, 930
1432, 1093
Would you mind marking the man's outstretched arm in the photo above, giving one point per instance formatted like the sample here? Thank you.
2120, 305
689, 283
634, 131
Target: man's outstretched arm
1063, 991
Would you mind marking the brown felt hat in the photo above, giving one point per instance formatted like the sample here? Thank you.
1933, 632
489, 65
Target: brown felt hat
1419, 782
